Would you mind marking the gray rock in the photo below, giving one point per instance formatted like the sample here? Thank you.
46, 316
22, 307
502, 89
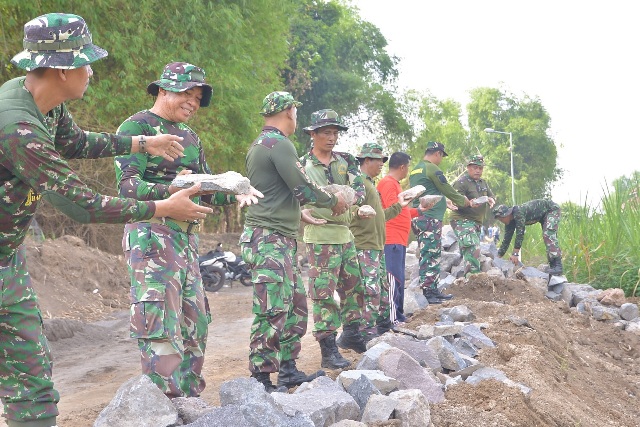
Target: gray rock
259, 408
628, 311
375, 347
228, 182
322, 400
528, 272
445, 330
59, 328
412, 248
348, 423
447, 354
361, 390
237, 415
448, 238
578, 293
459, 313
138, 403
191, 408
601, 312
495, 272
505, 266
399, 365
382, 382
379, 408
474, 335
458, 271
463, 346
553, 296
449, 260
445, 281
487, 373
414, 300
414, 348
412, 409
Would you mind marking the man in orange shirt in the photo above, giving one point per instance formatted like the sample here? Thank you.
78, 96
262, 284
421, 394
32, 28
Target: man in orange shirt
398, 228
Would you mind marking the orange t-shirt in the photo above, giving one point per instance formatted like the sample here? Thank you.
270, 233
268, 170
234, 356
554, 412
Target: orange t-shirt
399, 227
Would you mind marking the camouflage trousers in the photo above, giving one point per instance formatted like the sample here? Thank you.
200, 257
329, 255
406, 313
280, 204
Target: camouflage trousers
550, 233
26, 387
468, 234
376, 289
170, 313
279, 300
334, 268
428, 232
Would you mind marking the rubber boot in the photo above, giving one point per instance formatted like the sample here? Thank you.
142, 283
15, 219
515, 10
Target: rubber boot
265, 379
289, 376
431, 295
443, 296
555, 266
331, 357
352, 339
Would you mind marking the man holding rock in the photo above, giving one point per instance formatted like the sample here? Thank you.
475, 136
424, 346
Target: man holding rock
330, 248
515, 218
467, 221
37, 137
169, 309
428, 225
269, 245
369, 235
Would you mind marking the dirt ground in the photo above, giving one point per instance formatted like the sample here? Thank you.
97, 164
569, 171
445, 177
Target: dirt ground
582, 372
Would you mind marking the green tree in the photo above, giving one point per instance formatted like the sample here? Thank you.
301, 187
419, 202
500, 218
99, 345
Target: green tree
339, 61
534, 151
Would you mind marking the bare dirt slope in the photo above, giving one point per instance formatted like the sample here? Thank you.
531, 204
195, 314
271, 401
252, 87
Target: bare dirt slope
582, 372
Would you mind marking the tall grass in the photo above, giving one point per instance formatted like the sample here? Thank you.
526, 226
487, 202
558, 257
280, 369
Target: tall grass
601, 244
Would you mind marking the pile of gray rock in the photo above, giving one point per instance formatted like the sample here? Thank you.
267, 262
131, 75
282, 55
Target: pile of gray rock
397, 378
608, 305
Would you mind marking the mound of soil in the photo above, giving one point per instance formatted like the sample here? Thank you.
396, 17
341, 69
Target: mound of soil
582, 372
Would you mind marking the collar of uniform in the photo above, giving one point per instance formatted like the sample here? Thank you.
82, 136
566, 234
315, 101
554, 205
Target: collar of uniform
272, 128
315, 160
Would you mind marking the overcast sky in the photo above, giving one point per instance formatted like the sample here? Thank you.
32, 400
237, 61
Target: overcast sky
579, 57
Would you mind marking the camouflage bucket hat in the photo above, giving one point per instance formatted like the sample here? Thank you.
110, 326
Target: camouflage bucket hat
322, 118
372, 150
57, 40
476, 160
435, 146
502, 211
276, 102
181, 76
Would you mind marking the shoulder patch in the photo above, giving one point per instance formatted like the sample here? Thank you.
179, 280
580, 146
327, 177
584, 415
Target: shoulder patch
416, 171
441, 177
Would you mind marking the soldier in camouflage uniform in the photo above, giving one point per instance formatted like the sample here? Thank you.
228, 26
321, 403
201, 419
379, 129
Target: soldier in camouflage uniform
169, 308
330, 248
269, 245
543, 211
466, 222
427, 226
37, 137
369, 236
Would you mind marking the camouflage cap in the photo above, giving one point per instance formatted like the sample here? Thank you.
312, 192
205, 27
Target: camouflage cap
476, 160
181, 76
435, 146
276, 102
372, 150
501, 211
322, 118
57, 40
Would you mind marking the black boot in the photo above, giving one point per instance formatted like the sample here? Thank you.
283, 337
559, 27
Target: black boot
555, 266
265, 379
431, 295
443, 296
351, 338
289, 376
383, 325
331, 357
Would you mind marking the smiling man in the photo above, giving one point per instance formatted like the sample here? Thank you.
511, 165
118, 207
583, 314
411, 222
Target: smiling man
169, 310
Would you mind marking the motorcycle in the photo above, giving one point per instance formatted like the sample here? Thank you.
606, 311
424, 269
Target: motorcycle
218, 265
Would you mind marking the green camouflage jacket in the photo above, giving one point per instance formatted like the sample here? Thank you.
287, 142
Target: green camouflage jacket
528, 213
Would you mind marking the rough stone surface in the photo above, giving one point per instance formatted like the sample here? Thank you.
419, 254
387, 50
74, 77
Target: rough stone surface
379, 408
348, 192
474, 335
429, 201
348, 423
414, 348
628, 311
366, 211
412, 192
614, 296
414, 300
447, 354
191, 408
449, 260
459, 313
228, 182
381, 381
399, 365
361, 390
138, 403
375, 348
412, 409
322, 400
